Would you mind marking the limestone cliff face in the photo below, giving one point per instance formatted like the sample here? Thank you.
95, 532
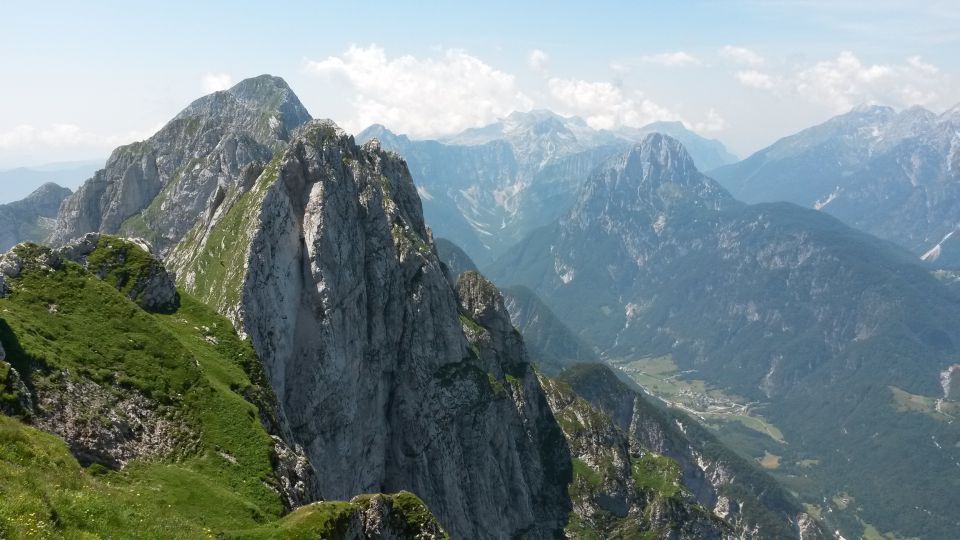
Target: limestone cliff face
386, 376
157, 187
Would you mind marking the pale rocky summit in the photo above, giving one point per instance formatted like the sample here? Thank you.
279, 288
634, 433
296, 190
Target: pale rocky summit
157, 187
332, 273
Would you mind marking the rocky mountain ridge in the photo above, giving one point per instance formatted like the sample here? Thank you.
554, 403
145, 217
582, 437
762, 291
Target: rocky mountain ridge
784, 306
157, 187
487, 187
891, 174
374, 331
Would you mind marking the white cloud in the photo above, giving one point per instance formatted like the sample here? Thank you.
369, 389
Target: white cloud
917, 62
421, 96
538, 60
604, 105
846, 81
756, 79
61, 136
741, 55
713, 122
618, 67
671, 59
213, 82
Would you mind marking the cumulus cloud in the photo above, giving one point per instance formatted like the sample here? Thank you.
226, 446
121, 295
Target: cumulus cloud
604, 105
741, 55
421, 96
213, 82
671, 59
846, 81
713, 122
756, 79
28, 137
538, 60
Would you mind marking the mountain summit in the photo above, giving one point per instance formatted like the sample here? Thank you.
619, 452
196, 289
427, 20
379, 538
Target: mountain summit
156, 188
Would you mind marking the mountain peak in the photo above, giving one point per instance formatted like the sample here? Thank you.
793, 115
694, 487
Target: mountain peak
872, 109
255, 88
951, 113
660, 151
655, 173
48, 189
665, 124
265, 103
382, 134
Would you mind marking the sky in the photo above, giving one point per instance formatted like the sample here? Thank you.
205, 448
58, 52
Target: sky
80, 78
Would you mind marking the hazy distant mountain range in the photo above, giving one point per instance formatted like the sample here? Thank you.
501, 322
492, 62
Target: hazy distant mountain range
32, 218
17, 183
892, 174
826, 330
487, 187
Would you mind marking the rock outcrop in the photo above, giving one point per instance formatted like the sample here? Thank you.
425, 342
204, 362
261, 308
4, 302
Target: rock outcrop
130, 266
620, 489
110, 426
380, 370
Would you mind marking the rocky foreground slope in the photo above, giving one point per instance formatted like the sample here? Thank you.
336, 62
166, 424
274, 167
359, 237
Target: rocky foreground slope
128, 406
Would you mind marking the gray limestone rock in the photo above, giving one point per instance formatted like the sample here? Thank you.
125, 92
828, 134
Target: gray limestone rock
110, 426
346, 304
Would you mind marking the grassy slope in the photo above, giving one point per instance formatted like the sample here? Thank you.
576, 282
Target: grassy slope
191, 360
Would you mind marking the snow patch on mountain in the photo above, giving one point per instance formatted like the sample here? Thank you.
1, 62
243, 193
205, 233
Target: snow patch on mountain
819, 204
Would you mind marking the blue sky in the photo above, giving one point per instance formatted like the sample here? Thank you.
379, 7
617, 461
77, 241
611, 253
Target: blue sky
82, 78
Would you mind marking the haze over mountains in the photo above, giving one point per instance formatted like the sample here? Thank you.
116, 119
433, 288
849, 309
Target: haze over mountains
316, 349
892, 174
817, 324
32, 218
19, 182
487, 187
378, 357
